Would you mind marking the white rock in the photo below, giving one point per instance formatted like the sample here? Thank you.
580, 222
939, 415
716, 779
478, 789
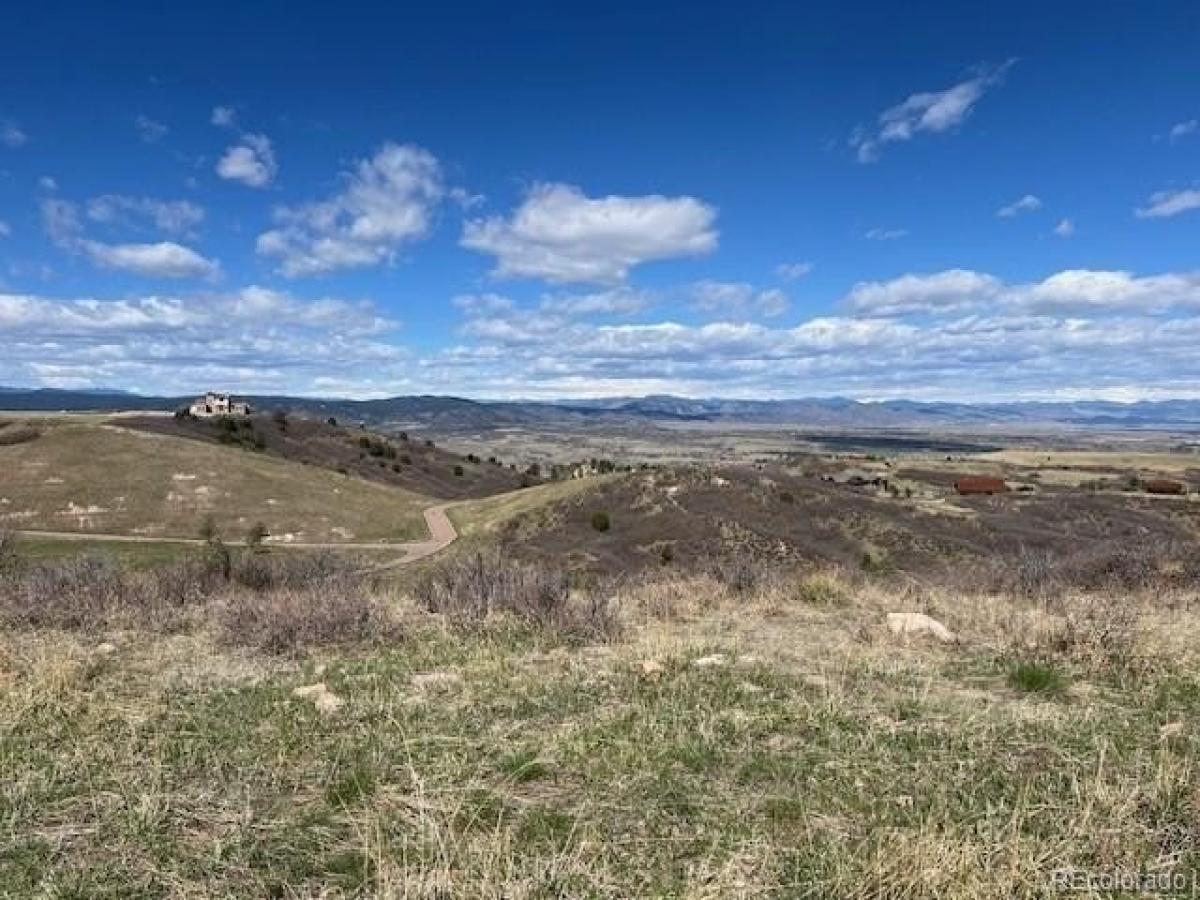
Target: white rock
322, 698
708, 662
910, 623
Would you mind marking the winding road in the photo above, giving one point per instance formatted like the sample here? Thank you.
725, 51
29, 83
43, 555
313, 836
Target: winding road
441, 534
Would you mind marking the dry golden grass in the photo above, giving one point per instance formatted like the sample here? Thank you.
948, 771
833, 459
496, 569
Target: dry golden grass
107, 480
764, 738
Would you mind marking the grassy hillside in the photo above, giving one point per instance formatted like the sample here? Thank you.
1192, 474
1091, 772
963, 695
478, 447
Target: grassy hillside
414, 465
486, 516
711, 740
691, 516
104, 479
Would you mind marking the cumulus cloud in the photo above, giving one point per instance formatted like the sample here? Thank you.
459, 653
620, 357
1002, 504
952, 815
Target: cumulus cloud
1071, 291
560, 235
738, 300
254, 339
1028, 203
170, 216
1065, 228
957, 334
164, 259
223, 117
793, 271
161, 259
934, 112
149, 130
251, 162
11, 134
386, 202
1165, 204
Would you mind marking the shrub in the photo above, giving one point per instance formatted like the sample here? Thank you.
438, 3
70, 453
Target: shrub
12, 435
601, 521
787, 497
737, 571
292, 619
822, 589
89, 593
331, 421
471, 591
875, 560
256, 535
1036, 677
458, 470
208, 529
8, 551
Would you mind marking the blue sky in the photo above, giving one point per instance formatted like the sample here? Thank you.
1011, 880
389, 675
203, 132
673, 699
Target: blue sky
537, 201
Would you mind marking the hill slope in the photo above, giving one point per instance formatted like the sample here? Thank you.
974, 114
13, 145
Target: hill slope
108, 480
691, 517
414, 465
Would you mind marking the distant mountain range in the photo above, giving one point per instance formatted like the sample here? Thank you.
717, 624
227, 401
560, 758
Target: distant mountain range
457, 414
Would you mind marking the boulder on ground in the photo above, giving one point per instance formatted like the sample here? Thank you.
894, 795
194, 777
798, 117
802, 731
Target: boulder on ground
912, 623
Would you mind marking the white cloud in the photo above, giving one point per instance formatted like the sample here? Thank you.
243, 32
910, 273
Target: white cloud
886, 234
11, 134
737, 300
254, 339
60, 218
1183, 129
171, 216
561, 235
954, 289
619, 301
1028, 203
934, 112
251, 161
386, 201
1065, 228
1072, 291
163, 259
772, 303
223, 117
149, 130
5, 230
793, 271
1165, 204
46, 183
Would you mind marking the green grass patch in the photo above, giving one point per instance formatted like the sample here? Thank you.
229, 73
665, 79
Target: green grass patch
1036, 677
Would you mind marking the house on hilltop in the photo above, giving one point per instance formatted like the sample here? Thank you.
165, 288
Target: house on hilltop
214, 404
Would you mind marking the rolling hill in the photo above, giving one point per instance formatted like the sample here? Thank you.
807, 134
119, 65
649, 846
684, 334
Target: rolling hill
416, 465
95, 478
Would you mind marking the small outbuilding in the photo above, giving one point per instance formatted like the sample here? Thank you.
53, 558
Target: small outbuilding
969, 485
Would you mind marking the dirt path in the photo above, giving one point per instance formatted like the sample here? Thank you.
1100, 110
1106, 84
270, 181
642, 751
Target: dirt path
441, 534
